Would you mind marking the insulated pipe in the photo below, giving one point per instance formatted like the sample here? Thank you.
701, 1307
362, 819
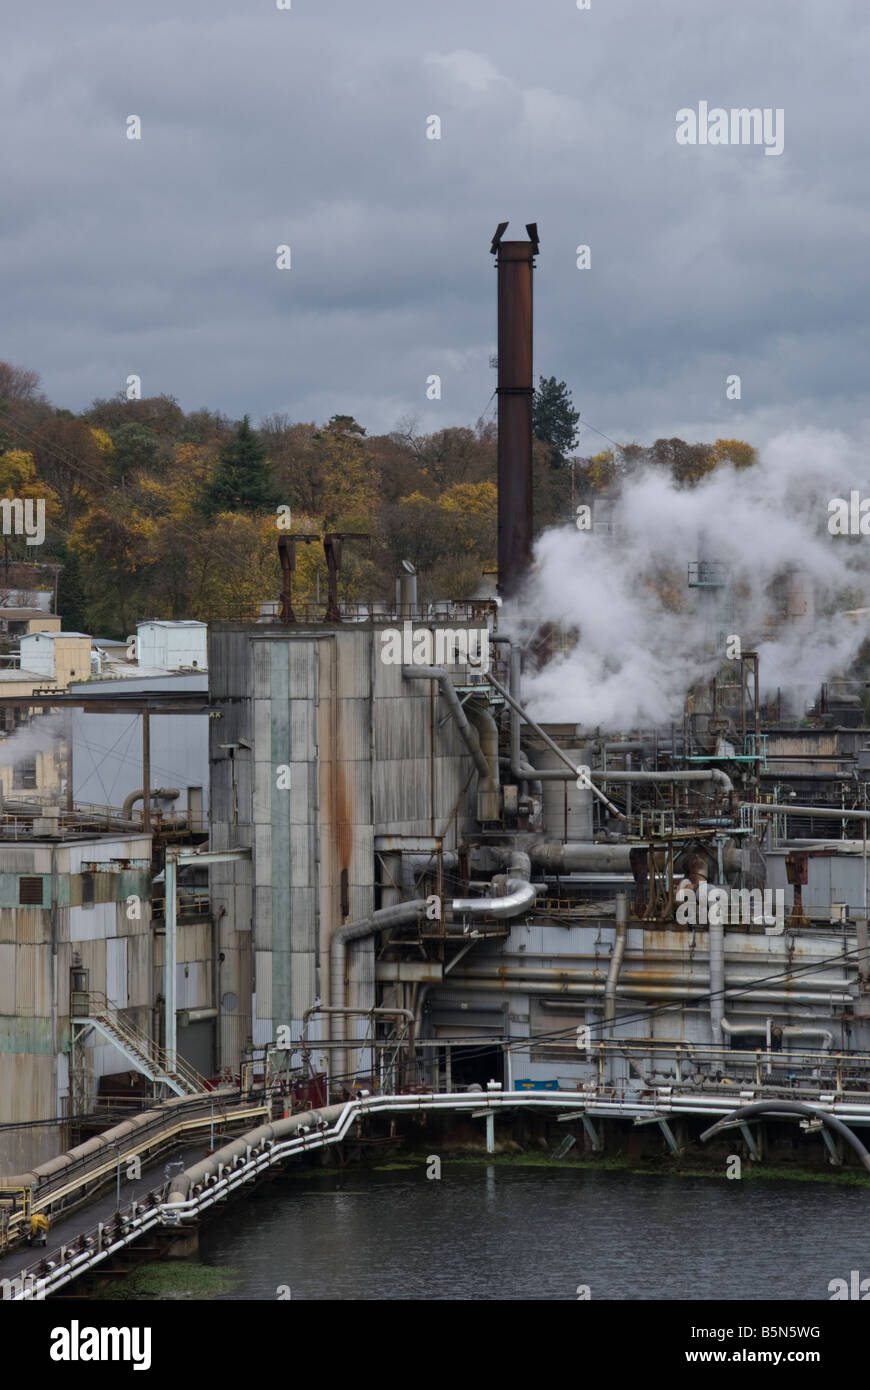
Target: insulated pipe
615, 960
798, 1031
738, 1030
448, 690
415, 864
399, 914
169, 793
577, 856
716, 947
711, 774
639, 980
790, 1107
571, 983
515, 893
518, 895
823, 812
488, 791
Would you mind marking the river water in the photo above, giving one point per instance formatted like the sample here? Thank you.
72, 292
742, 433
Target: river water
498, 1232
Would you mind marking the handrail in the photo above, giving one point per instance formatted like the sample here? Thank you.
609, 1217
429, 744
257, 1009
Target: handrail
142, 1042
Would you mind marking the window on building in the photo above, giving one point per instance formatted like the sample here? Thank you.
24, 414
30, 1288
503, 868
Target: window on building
30, 892
24, 774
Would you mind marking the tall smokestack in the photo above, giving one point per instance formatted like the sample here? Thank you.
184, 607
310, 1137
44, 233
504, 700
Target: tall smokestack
514, 262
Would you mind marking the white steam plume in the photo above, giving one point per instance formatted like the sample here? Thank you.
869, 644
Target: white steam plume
645, 637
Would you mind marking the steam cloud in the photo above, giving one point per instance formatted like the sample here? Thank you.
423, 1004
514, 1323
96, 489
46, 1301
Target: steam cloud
39, 736
645, 637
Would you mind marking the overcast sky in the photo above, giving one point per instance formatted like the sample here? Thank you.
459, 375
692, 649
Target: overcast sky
307, 127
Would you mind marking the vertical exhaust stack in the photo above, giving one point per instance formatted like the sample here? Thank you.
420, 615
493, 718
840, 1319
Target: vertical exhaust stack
515, 263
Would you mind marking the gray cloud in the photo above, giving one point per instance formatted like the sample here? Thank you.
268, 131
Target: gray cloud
307, 126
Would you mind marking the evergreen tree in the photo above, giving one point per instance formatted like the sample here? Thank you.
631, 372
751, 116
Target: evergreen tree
554, 419
241, 481
71, 594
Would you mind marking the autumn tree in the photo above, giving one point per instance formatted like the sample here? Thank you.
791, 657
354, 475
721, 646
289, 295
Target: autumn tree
735, 452
20, 482
18, 384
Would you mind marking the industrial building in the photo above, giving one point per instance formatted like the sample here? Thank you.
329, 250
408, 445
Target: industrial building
436, 878
408, 882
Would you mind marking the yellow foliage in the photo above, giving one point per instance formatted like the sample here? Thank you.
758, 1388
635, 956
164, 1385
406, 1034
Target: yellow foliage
19, 478
735, 451
602, 470
470, 499
102, 441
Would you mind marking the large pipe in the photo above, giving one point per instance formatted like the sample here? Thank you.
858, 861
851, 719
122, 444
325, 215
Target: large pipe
169, 793
737, 986
515, 390
488, 791
448, 690
790, 1107
616, 960
522, 984
406, 591
578, 857
516, 895
399, 914
822, 812
515, 892
799, 1031
712, 774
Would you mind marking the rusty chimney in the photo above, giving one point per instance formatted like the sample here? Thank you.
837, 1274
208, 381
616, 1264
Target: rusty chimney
515, 263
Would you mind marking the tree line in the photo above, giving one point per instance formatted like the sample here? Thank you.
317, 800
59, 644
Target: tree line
157, 512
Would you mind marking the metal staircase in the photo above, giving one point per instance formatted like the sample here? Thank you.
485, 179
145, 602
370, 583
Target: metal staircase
93, 1010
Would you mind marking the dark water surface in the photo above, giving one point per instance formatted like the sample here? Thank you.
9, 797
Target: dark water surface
535, 1233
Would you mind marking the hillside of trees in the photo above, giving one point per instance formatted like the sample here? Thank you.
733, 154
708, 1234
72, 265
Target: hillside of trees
154, 512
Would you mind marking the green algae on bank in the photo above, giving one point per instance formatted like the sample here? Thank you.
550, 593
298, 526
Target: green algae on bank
172, 1279
653, 1167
